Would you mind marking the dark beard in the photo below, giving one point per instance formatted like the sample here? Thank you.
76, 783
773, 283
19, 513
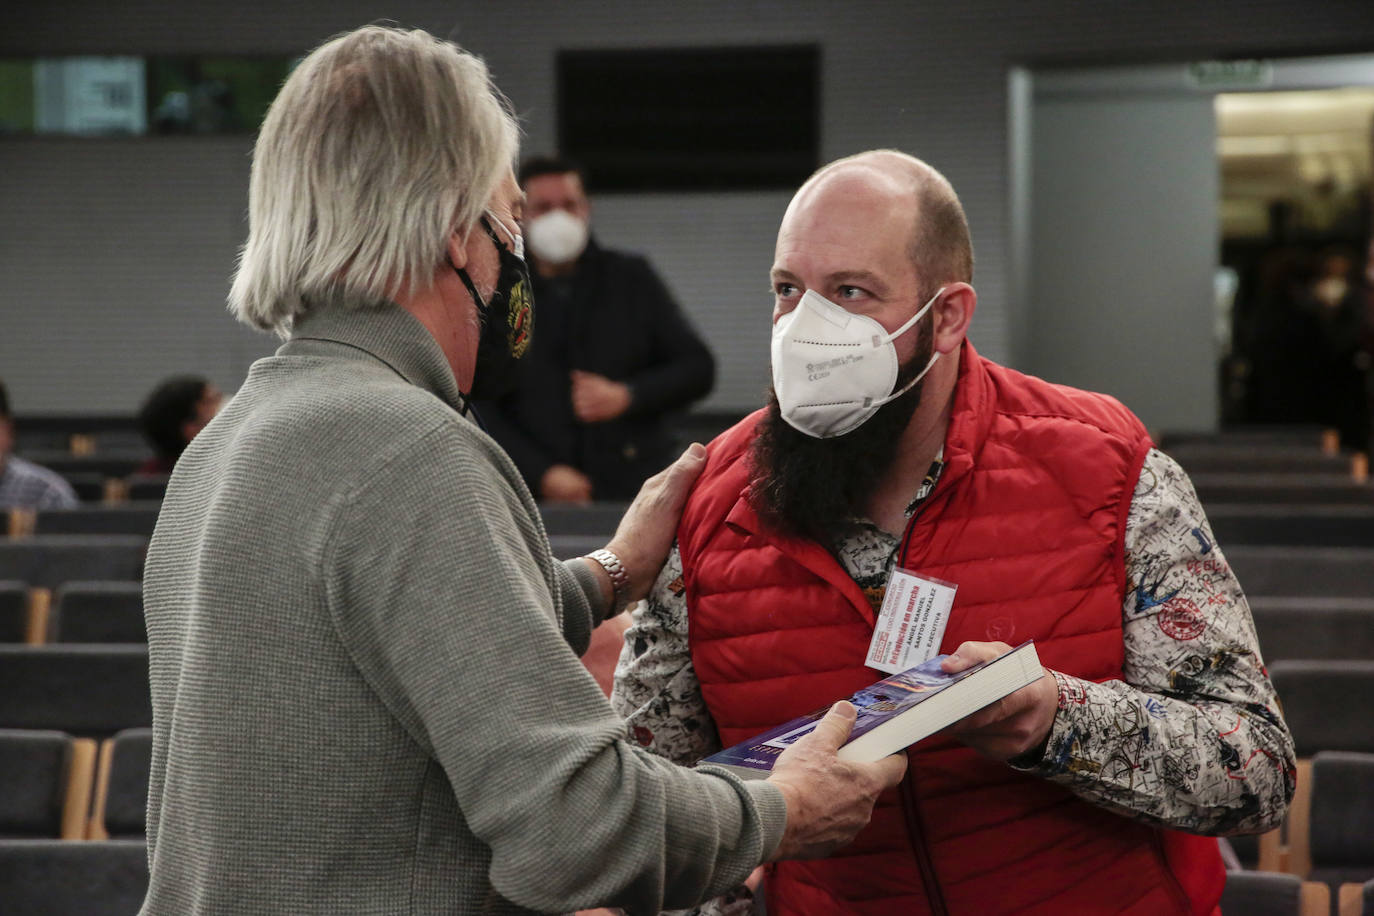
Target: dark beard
812, 488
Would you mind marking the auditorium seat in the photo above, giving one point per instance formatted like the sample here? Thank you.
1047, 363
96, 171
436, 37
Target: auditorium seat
92, 691
1204, 458
66, 878
46, 786
1341, 822
1255, 893
89, 486
1244, 849
1357, 899
104, 612
1323, 572
599, 518
121, 791
143, 487
103, 464
14, 610
1304, 489
49, 560
123, 518
1314, 628
1327, 703
567, 546
1284, 524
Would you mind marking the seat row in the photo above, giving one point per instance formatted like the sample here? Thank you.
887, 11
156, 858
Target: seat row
1259, 893
1326, 838
61, 787
139, 517
72, 822
76, 612
112, 612
70, 878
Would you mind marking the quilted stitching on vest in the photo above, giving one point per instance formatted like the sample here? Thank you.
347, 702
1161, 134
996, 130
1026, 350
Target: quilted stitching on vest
1028, 519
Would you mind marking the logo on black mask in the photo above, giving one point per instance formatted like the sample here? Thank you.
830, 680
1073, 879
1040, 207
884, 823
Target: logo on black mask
507, 321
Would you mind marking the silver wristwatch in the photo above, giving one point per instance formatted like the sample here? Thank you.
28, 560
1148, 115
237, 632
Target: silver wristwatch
620, 579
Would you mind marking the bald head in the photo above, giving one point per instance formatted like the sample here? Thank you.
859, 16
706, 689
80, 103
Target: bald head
888, 180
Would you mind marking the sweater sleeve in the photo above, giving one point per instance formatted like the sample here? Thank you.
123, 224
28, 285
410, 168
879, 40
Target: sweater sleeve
443, 590
583, 605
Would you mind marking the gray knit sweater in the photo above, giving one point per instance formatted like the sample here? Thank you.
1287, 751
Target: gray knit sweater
366, 693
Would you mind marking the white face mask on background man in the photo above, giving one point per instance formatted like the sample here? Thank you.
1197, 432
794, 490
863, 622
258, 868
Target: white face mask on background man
833, 369
557, 237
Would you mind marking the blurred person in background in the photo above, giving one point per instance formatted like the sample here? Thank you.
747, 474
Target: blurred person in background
23, 484
586, 416
365, 691
171, 416
1335, 298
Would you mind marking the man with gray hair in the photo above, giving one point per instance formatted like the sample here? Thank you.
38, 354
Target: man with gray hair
893, 460
366, 692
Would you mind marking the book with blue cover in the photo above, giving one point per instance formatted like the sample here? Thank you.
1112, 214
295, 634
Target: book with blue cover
896, 712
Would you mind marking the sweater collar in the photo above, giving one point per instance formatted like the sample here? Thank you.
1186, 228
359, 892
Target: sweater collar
392, 335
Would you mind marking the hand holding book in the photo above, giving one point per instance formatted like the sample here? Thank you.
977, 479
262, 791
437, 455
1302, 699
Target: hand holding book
999, 700
828, 800
1014, 725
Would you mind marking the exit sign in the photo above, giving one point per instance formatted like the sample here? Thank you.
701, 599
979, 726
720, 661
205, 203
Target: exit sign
1213, 75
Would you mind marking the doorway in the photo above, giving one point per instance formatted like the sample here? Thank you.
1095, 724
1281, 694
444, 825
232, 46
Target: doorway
1124, 276
1294, 304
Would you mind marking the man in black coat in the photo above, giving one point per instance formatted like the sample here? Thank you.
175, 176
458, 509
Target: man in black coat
611, 355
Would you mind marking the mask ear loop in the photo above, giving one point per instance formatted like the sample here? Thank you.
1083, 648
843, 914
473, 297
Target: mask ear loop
483, 306
897, 333
879, 341
909, 385
472, 289
517, 241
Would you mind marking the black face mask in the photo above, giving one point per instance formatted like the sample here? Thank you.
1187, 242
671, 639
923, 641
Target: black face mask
507, 322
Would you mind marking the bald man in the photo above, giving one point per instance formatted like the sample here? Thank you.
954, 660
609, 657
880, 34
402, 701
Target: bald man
891, 455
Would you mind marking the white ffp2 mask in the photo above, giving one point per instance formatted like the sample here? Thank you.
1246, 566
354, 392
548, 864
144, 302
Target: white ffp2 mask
833, 369
557, 236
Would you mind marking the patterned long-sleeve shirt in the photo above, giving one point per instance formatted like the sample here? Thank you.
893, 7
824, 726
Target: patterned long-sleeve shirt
1190, 738
25, 485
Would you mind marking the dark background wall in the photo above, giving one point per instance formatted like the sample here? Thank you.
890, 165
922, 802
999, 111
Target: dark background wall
115, 255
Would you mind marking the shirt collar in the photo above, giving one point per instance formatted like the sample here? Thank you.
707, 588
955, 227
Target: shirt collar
390, 334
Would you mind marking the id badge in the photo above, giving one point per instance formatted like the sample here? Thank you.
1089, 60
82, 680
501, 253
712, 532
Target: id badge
911, 622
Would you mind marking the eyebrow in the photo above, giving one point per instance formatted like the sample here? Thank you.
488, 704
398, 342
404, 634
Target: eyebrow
838, 278
867, 277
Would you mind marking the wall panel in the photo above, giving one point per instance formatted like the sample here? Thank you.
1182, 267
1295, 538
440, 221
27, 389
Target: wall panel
930, 78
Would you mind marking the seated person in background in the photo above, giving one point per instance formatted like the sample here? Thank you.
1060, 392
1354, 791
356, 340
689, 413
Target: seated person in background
1052, 516
177, 409
584, 418
23, 484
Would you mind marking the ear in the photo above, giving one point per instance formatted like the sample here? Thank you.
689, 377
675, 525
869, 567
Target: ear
457, 249
953, 313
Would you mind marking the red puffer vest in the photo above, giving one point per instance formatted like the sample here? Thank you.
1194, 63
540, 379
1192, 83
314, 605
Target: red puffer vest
1028, 519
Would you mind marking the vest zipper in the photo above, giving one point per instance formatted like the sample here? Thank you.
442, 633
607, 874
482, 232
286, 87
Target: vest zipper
935, 896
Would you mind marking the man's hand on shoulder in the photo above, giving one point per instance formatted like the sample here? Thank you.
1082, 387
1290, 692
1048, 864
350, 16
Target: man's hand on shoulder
646, 532
828, 800
1015, 724
597, 399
